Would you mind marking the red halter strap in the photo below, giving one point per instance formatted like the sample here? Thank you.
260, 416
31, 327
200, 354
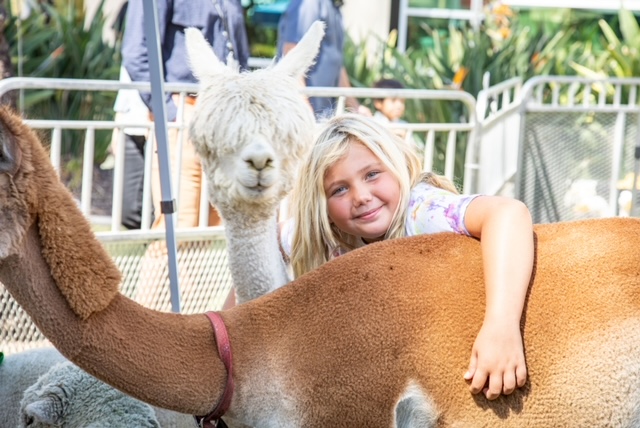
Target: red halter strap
212, 420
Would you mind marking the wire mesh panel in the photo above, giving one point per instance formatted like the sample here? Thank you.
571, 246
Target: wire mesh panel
204, 280
572, 167
576, 151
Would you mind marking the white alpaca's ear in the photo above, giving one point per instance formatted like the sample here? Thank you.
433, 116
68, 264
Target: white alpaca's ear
202, 60
232, 63
303, 55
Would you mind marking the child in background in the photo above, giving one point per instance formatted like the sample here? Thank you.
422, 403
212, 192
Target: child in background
389, 109
361, 184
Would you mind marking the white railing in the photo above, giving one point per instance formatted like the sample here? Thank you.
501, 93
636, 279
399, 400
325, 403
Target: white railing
606, 115
474, 15
202, 265
453, 132
497, 143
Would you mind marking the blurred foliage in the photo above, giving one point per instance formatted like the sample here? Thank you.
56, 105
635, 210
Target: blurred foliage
57, 42
449, 54
620, 56
261, 19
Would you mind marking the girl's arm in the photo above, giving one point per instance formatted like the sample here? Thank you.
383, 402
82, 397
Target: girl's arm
505, 230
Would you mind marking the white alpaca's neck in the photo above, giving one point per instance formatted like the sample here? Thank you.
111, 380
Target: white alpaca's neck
255, 260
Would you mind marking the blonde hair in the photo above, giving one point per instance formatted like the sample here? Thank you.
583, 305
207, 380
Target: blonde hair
314, 237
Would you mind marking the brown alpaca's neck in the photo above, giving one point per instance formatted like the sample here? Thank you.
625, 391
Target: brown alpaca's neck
83, 271
168, 360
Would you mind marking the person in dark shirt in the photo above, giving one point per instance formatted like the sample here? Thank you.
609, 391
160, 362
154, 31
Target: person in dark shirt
222, 24
328, 71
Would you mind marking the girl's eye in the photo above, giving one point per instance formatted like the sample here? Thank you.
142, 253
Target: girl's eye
338, 191
372, 174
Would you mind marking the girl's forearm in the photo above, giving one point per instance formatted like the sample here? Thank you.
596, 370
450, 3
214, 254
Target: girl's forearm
507, 252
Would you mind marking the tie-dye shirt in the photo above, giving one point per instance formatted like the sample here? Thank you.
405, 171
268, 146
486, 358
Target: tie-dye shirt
431, 210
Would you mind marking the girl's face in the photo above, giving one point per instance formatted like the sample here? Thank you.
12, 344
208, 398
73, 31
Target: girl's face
362, 194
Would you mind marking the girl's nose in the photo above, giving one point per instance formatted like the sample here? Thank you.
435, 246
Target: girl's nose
362, 195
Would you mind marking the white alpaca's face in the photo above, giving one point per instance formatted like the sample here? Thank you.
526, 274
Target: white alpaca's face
251, 131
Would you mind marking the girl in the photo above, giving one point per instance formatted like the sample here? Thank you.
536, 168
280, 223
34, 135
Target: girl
362, 184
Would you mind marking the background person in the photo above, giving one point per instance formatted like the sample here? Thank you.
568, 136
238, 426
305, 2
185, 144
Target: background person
389, 109
222, 23
328, 71
129, 108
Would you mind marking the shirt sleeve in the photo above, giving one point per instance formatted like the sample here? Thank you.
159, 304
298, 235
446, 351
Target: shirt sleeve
434, 210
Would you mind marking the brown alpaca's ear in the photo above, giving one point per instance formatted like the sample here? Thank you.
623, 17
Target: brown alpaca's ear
10, 154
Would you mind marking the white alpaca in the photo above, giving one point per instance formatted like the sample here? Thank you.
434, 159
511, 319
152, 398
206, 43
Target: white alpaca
251, 130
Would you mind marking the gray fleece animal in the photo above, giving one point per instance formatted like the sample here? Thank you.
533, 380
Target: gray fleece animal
17, 373
66, 396
40, 388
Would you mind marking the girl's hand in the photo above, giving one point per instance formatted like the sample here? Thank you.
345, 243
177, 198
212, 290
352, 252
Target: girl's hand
497, 363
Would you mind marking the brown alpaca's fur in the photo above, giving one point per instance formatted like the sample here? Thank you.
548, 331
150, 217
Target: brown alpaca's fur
341, 345
56, 223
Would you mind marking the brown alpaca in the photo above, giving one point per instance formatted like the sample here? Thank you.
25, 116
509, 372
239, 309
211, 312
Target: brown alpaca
378, 337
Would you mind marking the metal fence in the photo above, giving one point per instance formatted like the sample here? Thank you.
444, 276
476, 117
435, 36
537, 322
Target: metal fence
204, 278
566, 146
496, 148
576, 149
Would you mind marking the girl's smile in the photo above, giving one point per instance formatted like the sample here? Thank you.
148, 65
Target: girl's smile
369, 215
362, 194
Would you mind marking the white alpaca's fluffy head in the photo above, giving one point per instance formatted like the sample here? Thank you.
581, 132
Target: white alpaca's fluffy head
251, 129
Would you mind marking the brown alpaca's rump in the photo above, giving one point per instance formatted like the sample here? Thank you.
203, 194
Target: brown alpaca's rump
375, 320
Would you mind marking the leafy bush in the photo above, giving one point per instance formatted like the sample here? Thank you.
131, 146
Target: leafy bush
57, 43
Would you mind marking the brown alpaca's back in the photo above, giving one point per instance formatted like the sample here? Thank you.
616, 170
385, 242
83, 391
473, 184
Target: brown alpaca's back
349, 338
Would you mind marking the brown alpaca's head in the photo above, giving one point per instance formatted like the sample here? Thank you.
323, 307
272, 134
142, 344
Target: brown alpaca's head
16, 214
31, 194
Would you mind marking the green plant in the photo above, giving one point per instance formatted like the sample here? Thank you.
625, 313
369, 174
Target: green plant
262, 25
621, 57
57, 42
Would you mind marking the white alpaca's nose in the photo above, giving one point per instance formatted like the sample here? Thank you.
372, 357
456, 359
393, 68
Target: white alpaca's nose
258, 155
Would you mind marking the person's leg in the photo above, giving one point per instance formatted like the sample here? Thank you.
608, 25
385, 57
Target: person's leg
190, 179
133, 181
